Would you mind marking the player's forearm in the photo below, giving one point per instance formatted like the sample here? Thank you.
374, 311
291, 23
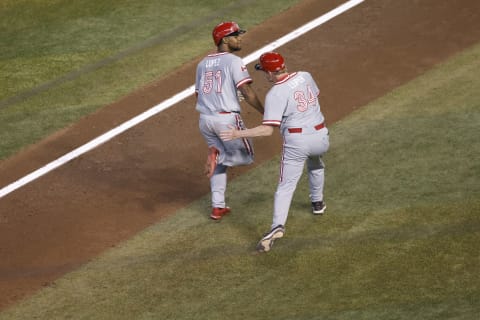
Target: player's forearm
251, 97
260, 131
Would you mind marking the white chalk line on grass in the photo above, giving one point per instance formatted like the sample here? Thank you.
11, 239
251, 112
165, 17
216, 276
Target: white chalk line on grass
171, 101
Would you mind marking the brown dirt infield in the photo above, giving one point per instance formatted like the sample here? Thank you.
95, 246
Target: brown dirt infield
62, 220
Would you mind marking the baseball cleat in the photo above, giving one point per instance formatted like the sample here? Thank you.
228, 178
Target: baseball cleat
211, 161
318, 207
266, 243
218, 213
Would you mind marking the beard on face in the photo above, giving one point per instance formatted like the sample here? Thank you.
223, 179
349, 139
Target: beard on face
236, 47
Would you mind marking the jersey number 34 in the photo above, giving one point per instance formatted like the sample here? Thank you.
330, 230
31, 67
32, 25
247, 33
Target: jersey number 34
305, 100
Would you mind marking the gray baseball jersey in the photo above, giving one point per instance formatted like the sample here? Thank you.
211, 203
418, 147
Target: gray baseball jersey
292, 104
218, 77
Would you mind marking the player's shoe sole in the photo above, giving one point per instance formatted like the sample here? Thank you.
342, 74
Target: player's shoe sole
266, 243
318, 207
218, 213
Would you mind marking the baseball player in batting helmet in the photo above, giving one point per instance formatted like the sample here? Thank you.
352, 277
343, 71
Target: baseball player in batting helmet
220, 77
225, 29
292, 105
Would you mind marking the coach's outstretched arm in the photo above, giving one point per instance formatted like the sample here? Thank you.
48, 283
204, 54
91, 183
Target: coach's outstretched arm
260, 131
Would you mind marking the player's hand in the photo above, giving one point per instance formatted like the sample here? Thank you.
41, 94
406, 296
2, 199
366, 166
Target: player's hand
228, 135
240, 96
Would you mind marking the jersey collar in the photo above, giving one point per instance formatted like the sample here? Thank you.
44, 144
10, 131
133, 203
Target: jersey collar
288, 76
214, 54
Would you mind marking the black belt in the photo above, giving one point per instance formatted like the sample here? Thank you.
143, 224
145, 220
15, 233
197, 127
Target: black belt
227, 112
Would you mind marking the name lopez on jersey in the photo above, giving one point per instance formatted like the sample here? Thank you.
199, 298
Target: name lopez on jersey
212, 63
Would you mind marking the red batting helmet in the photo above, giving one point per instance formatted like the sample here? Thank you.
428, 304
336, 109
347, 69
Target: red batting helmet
226, 29
271, 61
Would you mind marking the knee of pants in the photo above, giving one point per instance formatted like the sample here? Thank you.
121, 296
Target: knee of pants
315, 163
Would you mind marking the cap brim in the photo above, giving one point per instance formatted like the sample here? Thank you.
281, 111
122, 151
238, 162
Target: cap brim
236, 33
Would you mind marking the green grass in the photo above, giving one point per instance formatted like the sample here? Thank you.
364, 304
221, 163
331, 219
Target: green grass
61, 60
399, 240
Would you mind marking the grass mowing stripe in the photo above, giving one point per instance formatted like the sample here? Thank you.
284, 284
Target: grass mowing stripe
399, 239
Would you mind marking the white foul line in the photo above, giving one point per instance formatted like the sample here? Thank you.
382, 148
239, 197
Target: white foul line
170, 102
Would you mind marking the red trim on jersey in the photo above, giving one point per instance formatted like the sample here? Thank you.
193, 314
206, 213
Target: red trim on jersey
242, 82
245, 141
217, 54
275, 123
282, 163
291, 75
